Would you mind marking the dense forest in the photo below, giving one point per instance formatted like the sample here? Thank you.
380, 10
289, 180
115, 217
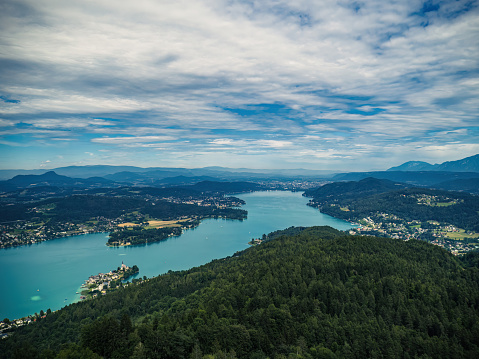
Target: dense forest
343, 191
142, 236
45, 190
367, 197
305, 293
80, 208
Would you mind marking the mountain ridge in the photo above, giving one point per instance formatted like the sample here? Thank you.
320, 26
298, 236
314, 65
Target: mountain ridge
467, 164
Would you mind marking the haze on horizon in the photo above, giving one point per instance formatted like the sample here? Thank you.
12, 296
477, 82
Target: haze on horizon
331, 85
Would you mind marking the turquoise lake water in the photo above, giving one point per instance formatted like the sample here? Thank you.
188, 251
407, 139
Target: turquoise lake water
48, 274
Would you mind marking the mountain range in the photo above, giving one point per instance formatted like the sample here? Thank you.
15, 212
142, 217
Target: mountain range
51, 178
462, 175
468, 164
131, 173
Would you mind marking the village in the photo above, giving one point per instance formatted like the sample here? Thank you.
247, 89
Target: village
102, 283
95, 285
445, 235
18, 233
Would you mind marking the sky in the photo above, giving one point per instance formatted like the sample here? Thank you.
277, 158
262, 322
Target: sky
326, 85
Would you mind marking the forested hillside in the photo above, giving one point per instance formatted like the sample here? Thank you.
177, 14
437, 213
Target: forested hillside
312, 293
343, 191
458, 209
79, 208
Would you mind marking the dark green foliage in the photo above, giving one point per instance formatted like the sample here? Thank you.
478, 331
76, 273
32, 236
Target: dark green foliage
167, 210
470, 259
225, 187
140, 236
339, 191
416, 178
72, 351
80, 208
404, 204
84, 207
314, 293
470, 185
14, 212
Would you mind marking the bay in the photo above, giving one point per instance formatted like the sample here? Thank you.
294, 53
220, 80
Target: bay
48, 274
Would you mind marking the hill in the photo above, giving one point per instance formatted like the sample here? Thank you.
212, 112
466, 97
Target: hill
352, 189
470, 185
313, 294
53, 179
416, 178
225, 187
410, 204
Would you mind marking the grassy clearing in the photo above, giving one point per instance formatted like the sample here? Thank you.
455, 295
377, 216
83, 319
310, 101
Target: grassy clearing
458, 236
444, 204
163, 224
128, 224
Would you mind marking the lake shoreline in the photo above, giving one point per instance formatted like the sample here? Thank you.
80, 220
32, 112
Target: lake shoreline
57, 266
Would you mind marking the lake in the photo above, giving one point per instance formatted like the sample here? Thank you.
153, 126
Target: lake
48, 274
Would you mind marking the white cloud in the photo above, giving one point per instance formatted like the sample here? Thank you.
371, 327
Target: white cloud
163, 71
6, 123
133, 139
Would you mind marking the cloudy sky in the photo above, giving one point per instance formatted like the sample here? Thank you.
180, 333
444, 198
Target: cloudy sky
334, 85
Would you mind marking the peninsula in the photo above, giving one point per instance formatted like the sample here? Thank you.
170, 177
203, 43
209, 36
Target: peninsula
107, 282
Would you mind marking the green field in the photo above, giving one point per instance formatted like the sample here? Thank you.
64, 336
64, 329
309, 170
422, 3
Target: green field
461, 235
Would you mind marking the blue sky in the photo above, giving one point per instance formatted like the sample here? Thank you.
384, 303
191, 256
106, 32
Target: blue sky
333, 85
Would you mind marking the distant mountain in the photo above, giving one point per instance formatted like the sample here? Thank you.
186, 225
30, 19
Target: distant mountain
347, 190
468, 164
413, 166
128, 177
185, 180
50, 178
7, 174
96, 171
297, 172
53, 179
148, 175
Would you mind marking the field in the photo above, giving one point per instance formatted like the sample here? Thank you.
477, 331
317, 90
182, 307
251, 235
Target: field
461, 235
163, 224
443, 204
128, 224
